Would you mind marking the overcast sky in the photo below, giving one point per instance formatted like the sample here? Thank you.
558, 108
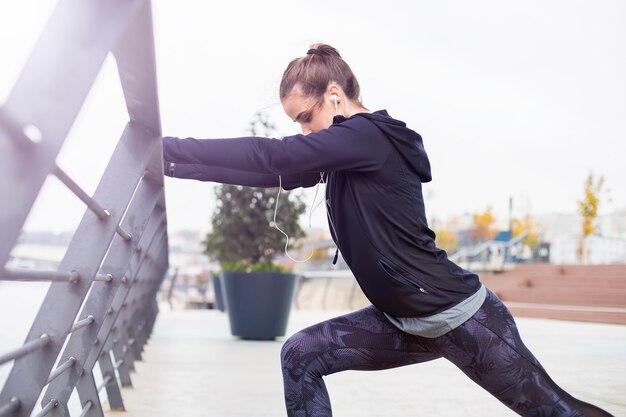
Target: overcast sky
520, 99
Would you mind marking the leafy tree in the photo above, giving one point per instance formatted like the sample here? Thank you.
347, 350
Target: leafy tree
319, 254
527, 224
483, 229
446, 239
242, 238
588, 208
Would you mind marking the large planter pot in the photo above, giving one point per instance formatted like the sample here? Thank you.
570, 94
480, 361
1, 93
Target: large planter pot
219, 294
258, 303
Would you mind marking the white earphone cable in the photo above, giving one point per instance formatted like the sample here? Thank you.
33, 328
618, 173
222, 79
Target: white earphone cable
313, 207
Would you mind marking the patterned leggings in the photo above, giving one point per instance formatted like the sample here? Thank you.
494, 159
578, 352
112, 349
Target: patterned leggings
487, 348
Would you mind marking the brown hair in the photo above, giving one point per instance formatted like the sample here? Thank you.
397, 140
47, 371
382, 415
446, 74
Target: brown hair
316, 70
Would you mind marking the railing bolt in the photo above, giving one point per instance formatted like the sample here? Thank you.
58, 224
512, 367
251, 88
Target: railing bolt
75, 276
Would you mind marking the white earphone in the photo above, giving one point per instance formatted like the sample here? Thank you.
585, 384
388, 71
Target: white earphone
335, 99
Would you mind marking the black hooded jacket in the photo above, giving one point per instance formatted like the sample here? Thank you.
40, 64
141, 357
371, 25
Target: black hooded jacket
374, 167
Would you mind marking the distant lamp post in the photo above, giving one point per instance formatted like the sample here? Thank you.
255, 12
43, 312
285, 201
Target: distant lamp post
510, 217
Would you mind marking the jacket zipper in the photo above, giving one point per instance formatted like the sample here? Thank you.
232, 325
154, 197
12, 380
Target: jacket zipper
334, 230
388, 267
330, 219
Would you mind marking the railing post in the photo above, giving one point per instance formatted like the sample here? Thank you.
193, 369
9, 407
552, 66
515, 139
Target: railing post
88, 395
127, 319
110, 382
102, 293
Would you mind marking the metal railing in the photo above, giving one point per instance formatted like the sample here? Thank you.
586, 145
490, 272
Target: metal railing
482, 258
101, 305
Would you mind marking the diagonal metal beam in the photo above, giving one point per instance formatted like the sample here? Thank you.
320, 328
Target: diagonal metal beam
136, 63
71, 49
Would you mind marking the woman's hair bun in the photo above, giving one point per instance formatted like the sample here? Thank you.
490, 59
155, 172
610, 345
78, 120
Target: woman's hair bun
322, 49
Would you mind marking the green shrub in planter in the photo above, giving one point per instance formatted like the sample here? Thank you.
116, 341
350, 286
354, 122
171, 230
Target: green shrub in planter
242, 238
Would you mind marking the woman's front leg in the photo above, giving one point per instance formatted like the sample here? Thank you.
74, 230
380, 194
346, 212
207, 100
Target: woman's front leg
364, 340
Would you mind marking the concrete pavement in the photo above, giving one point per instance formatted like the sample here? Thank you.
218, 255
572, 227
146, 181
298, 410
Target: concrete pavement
193, 367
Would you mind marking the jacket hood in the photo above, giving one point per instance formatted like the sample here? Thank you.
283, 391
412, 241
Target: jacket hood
408, 143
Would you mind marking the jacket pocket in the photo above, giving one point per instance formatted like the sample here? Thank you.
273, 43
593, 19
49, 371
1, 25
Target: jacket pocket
398, 275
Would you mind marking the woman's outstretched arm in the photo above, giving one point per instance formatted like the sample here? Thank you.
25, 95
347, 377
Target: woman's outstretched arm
354, 145
239, 177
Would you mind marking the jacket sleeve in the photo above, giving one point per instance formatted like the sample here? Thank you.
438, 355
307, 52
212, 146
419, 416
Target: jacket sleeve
354, 145
238, 177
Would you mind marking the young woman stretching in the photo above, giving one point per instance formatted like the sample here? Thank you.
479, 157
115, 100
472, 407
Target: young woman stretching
424, 306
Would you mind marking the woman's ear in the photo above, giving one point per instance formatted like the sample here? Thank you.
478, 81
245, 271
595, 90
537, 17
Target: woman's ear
333, 90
